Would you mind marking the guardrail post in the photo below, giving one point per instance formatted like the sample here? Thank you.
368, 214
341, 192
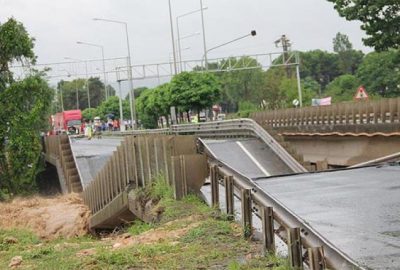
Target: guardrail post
268, 230
247, 213
295, 248
316, 258
229, 196
214, 186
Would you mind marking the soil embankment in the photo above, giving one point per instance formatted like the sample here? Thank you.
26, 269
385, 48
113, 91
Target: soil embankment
49, 217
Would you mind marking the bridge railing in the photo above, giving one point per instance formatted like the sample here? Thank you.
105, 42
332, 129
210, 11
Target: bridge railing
304, 243
138, 160
346, 113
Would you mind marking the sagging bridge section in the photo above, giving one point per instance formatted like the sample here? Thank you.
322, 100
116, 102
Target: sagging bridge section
183, 160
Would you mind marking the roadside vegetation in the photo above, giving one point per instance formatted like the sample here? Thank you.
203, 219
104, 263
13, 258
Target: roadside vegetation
190, 235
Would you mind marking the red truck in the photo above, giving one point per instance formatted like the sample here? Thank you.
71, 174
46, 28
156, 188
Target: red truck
67, 121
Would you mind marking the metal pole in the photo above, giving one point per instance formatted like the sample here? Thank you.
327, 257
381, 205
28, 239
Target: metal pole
130, 79
87, 84
172, 36
77, 94
121, 113
104, 73
299, 85
204, 34
179, 45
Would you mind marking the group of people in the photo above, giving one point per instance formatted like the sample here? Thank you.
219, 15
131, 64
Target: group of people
96, 127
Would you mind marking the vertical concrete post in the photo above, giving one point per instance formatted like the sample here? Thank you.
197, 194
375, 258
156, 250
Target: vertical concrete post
247, 213
268, 236
214, 187
316, 258
295, 248
229, 196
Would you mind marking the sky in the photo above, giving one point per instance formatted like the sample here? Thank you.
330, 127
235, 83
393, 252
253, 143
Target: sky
57, 25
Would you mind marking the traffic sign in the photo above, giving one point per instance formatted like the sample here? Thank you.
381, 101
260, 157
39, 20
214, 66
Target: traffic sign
361, 93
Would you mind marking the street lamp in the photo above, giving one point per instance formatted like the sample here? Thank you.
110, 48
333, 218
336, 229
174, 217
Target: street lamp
104, 65
204, 33
87, 77
177, 30
130, 79
172, 36
252, 33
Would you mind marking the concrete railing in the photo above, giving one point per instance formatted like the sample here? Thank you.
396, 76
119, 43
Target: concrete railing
347, 113
136, 163
58, 152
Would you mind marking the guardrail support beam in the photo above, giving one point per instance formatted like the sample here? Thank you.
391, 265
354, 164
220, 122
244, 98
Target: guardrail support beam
214, 186
316, 258
247, 213
267, 219
229, 196
295, 248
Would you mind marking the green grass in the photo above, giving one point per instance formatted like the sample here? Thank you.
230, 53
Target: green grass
211, 241
139, 227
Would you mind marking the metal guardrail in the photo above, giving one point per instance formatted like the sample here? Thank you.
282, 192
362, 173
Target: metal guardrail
236, 127
240, 126
276, 218
346, 113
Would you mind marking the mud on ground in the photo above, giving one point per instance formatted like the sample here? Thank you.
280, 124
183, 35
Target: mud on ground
49, 217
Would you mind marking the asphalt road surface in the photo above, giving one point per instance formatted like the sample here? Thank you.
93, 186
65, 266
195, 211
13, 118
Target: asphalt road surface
357, 210
250, 157
91, 155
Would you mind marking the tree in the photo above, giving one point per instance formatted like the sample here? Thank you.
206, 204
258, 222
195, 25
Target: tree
349, 59
322, 66
15, 45
343, 88
240, 85
145, 109
111, 106
194, 91
341, 43
379, 73
380, 19
72, 89
24, 112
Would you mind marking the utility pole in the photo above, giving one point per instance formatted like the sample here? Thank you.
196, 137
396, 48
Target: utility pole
286, 46
284, 42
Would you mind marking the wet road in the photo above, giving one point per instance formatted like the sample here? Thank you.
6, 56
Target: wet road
91, 155
357, 210
250, 157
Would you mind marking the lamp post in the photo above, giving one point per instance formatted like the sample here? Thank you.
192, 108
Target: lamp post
130, 78
178, 33
252, 33
104, 65
87, 77
204, 33
172, 37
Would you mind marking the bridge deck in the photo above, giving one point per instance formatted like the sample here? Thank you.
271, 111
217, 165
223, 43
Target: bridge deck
250, 157
91, 155
357, 210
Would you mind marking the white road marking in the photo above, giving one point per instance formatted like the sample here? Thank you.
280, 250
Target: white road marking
253, 159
